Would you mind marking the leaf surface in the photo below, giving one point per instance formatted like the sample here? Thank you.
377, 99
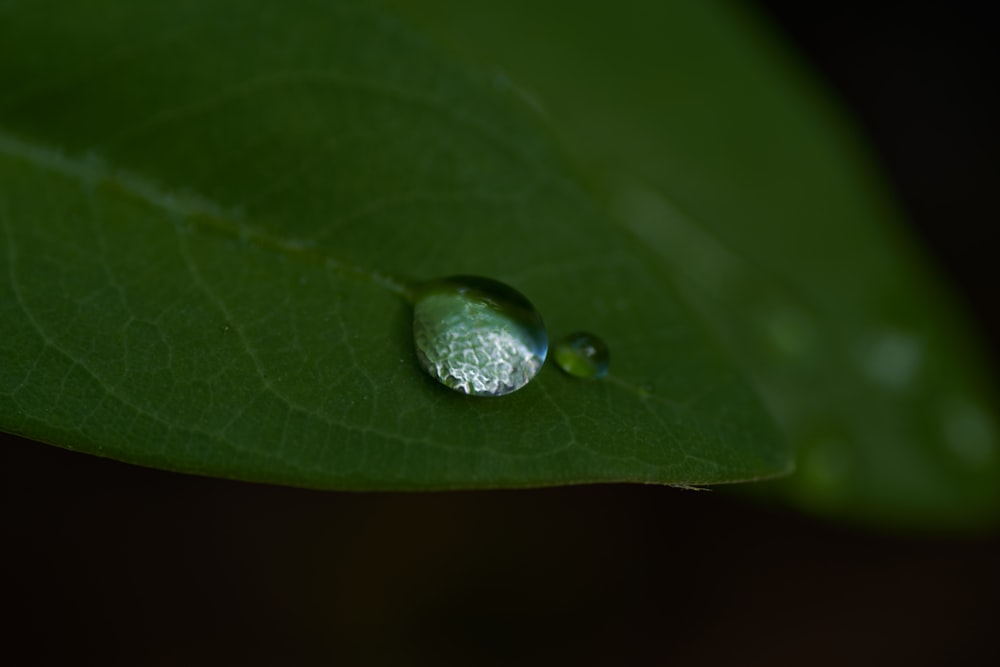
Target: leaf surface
716, 147
208, 217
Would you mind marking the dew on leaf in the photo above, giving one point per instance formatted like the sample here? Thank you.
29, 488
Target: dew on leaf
824, 469
892, 359
582, 355
477, 336
970, 431
789, 333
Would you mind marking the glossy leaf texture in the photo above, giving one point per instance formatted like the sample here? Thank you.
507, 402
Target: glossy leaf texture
209, 215
718, 148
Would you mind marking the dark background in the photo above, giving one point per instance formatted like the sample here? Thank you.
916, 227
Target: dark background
113, 564
921, 80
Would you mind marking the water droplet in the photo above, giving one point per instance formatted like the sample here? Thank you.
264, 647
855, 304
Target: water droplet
970, 431
824, 469
790, 333
892, 359
477, 336
582, 355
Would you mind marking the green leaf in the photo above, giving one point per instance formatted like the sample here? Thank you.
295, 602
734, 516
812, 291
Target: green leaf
208, 215
720, 151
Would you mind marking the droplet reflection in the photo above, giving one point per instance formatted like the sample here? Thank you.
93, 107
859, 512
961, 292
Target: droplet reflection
477, 336
582, 355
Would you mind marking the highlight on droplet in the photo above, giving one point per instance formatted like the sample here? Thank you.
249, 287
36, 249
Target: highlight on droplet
582, 355
477, 335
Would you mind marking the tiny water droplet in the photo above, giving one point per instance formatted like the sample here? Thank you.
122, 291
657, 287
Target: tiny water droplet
892, 359
824, 468
477, 335
790, 333
582, 355
970, 431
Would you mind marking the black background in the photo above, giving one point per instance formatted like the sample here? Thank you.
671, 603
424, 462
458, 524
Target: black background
113, 564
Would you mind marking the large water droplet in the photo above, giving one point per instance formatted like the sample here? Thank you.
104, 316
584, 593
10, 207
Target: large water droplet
582, 355
477, 336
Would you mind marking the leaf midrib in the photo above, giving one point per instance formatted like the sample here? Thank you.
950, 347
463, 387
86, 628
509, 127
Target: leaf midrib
193, 209
188, 208
184, 208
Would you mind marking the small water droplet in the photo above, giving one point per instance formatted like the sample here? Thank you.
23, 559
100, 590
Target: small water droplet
970, 431
789, 332
823, 470
582, 355
892, 359
477, 335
